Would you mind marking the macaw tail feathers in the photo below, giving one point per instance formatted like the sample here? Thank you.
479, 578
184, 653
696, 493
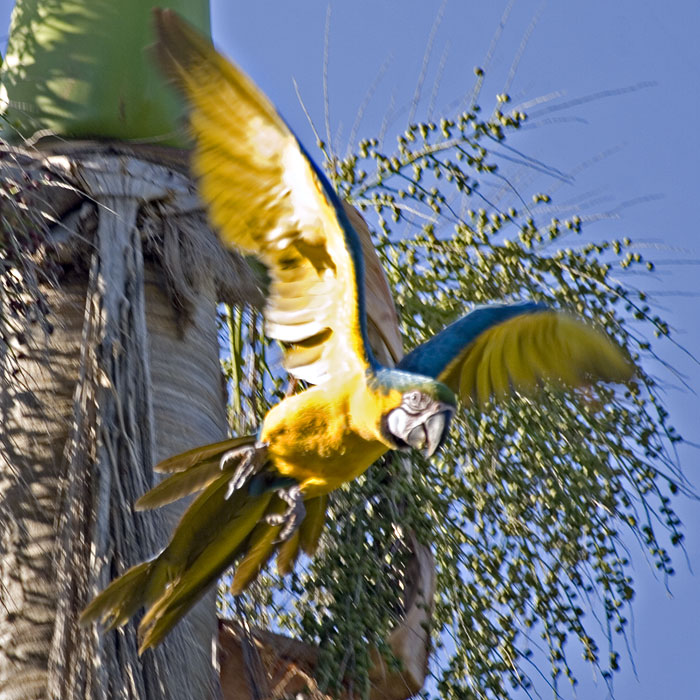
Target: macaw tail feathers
205, 453
124, 596
306, 537
233, 519
264, 542
213, 532
260, 547
247, 536
287, 553
196, 469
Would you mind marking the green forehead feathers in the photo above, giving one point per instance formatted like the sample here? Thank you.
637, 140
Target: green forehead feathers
408, 381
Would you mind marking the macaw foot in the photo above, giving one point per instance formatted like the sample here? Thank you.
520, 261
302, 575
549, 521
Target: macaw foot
250, 458
292, 517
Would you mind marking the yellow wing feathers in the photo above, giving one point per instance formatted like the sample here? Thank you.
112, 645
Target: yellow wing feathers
239, 134
523, 351
266, 198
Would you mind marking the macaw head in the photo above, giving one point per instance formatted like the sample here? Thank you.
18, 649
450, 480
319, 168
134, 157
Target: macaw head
422, 418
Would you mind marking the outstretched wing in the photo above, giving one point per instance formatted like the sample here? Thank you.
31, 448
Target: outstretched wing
499, 348
267, 197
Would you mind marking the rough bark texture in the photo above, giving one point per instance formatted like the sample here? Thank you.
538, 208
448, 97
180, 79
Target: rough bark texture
124, 380
35, 413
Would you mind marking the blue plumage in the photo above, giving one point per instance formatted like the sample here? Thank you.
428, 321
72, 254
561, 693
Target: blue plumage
354, 246
432, 357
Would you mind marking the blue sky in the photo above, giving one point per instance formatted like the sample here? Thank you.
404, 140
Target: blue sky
640, 147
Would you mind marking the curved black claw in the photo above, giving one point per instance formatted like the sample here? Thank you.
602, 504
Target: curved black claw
292, 517
251, 459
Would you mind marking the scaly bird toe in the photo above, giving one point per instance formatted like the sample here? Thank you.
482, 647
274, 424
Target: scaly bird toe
250, 458
293, 516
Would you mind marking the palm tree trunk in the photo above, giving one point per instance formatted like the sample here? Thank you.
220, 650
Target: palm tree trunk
127, 378
130, 374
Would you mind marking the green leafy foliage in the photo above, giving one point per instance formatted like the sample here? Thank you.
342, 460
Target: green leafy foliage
104, 90
530, 506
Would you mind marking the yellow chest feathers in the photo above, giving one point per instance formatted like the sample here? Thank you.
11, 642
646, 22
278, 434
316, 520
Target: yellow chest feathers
329, 434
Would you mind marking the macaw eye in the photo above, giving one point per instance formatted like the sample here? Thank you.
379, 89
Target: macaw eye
414, 400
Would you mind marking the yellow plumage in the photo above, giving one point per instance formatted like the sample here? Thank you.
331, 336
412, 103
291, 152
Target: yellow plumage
312, 438
264, 198
328, 434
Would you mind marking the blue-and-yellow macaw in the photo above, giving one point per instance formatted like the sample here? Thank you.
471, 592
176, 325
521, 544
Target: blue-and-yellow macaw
266, 494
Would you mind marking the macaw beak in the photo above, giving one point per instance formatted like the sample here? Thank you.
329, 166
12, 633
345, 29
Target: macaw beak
424, 431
